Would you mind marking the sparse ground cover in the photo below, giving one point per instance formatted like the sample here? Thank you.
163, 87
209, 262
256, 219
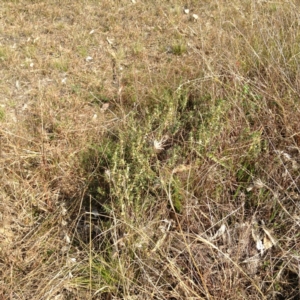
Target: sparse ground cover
149, 149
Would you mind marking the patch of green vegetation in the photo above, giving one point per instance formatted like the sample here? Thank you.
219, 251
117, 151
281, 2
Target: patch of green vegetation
61, 64
76, 89
137, 49
177, 197
98, 97
30, 50
2, 114
126, 167
179, 48
82, 51
3, 53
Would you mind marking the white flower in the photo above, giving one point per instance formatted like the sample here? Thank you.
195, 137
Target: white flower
159, 145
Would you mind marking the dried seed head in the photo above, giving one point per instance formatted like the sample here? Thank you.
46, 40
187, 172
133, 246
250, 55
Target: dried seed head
159, 145
258, 184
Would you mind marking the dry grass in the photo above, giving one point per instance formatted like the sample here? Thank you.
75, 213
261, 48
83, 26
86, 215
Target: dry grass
149, 150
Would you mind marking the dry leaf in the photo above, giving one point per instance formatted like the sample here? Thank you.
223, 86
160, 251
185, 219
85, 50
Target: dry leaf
220, 232
269, 235
267, 243
104, 107
110, 41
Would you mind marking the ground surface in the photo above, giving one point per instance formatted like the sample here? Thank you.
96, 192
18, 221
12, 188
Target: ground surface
149, 149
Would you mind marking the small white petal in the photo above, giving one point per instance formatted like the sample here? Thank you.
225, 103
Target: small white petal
67, 238
107, 174
260, 246
249, 189
18, 84
64, 210
195, 17
25, 107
